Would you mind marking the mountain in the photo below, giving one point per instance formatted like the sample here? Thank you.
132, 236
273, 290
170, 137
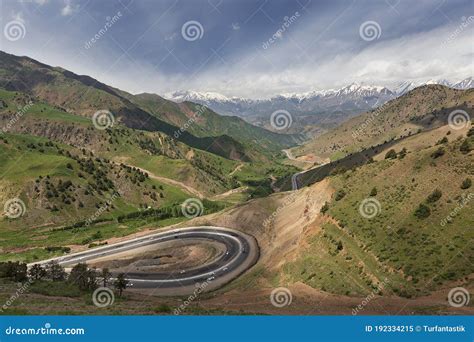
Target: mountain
324, 108
406, 86
464, 84
311, 112
83, 95
352, 96
422, 108
208, 123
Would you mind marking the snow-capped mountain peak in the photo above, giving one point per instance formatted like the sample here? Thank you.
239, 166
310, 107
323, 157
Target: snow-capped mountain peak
466, 83
355, 96
190, 95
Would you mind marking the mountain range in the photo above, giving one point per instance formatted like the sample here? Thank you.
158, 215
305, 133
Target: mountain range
321, 108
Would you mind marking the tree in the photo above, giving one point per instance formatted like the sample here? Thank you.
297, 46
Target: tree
121, 283
79, 276
325, 208
466, 184
37, 272
391, 154
373, 192
438, 153
55, 271
402, 153
434, 196
340, 195
465, 147
105, 274
422, 211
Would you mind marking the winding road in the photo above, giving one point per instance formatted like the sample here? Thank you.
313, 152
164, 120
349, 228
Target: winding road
241, 253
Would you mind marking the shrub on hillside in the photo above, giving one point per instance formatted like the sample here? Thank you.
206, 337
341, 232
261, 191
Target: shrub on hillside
466, 184
402, 153
434, 196
422, 211
391, 154
465, 147
442, 141
438, 153
340, 195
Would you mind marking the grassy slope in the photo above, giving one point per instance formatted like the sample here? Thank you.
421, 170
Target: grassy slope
395, 252
208, 123
424, 250
83, 95
396, 118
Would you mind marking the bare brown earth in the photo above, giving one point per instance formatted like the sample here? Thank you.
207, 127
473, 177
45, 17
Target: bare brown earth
173, 256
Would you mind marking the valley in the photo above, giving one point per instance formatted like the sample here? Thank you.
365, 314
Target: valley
376, 205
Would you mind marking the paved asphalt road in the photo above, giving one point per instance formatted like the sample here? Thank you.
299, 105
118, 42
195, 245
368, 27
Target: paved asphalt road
241, 252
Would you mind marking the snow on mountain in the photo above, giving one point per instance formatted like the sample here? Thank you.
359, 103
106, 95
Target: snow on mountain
352, 98
467, 83
189, 95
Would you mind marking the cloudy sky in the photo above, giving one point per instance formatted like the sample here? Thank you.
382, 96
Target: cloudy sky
249, 48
